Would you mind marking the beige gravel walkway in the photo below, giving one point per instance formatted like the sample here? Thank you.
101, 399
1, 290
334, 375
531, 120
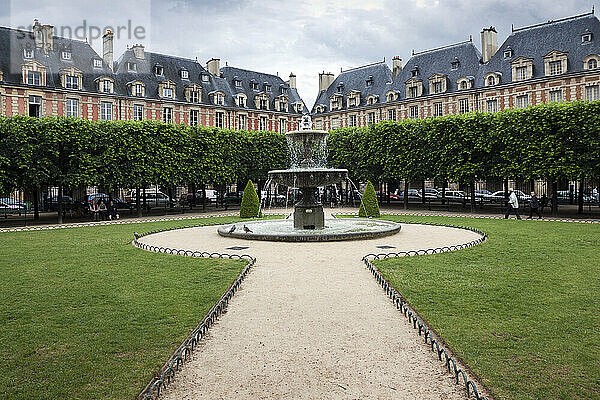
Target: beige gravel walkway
310, 322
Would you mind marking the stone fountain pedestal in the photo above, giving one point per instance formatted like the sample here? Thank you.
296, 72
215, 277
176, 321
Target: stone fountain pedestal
308, 213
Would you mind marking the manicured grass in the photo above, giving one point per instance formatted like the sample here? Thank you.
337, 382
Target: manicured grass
522, 310
85, 315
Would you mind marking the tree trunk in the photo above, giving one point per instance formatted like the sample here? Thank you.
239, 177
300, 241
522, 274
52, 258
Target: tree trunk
554, 199
405, 194
36, 204
472, 196
138, 202
580, 197
505, 190
444, 191
203, 197
60, 204
423, 192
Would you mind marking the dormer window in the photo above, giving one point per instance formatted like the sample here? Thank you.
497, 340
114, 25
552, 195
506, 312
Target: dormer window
241, 101
284, 90
254, 85
27, 53
34, 78
219, 99
194, 97
391, 97
414, 71
414, 91
105, 86
508, 53
463, 85
268, 88
185, 74
491, 81
369, 81
455, 64
138, 90
238, 83
97, 63
586, 37
204, 78
299, 107
352, 102
437, 87
66, 55
340, 88
71, 82
592, 64
131, 67
158, 70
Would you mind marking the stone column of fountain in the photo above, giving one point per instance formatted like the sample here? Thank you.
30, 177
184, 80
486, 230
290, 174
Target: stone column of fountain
308, 171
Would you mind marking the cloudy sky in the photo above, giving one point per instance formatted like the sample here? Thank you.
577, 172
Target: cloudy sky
283, 36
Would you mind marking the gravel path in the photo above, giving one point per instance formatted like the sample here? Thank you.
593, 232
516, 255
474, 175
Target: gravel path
310, 322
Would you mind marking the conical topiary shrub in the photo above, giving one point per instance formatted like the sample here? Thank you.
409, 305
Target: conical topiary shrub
369, 207
250, 207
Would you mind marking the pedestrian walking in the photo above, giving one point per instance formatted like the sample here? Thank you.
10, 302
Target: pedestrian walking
513, 204
534, 204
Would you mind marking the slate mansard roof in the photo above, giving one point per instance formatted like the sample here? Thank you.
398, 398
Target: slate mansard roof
355, 79
537, 41
12, 45
246, 77
533, 42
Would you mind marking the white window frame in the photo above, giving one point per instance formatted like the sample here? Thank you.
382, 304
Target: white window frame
522, 101
138, 90
238, 83
463, 106
167, 93
167, 115
97, 63
352, 120
262, 123
72, 107
592, 93
65, 55
194, 117
371, 118
282, 125
106, 113
194, 96
220, 119
413, 112
521, 73
438, 109
138, 112
72, 82
105, 86
392, 114
185, 74
131, 66
492, 105
242, 122
36, 78
28, 53
556, 95
555, 67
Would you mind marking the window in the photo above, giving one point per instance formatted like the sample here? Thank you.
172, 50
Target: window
106, 111
158, 70
414, 112
66, 55
167, 93
392, 115
28, 53
138, 90
72, 107
371, 118
97, 63
284, 90
219, 99
242, 121
508, 53
369, 82
263, 104
335, 104
492, 106
521, 73
555, 67
131, 67
268, 88
352, 120
463, 106
522, 101
204, 78
193, 117
238, 83
72, 82
263, 124
592, 64
138, 112
414, 72
352, 102
463, 85
455, 64
282, 125
282, 106
34, 78
586, 38
254, 85
219, 119
390, 97
491, 81
437, 87
299, 107
413, 91
371, 100
340, 88
185, 74
35, 106
105, 86
241, 101
556, 95
592, 92
335, 123
438, 109
194, 97
167, 115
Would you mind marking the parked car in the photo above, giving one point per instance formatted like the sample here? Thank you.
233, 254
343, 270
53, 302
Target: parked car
10, 209
233, 197
498, 197
454, 196
413, 194
430, 193
12, 201
276, 198
153, 199
564, 197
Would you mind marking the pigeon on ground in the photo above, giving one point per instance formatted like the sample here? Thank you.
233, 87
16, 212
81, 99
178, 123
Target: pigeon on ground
232, 229
247, 230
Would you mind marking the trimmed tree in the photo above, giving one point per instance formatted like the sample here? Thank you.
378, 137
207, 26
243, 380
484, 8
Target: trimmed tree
250, 206
369, 207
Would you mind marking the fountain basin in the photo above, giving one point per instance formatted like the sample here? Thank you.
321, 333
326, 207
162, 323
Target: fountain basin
308, 177
334, 230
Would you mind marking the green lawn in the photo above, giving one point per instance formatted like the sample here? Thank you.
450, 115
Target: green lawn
85, 315
522, 310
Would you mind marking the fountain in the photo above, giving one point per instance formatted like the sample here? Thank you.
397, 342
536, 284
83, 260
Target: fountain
308, 171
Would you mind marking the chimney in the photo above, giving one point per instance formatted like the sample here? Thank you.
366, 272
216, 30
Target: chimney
37, 34
325, 80
107, 48
214, 66
138, 51
292, 81
48, 37
489, 43
396, 66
